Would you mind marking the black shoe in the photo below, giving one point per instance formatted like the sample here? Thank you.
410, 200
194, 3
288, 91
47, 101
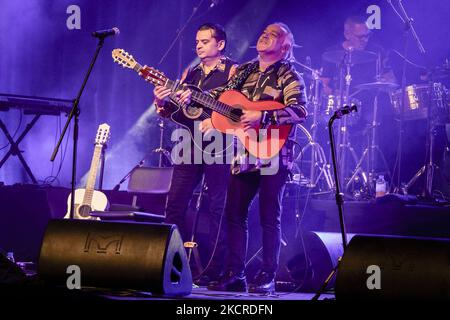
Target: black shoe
203, 281
230, 281
264, 282
206, 279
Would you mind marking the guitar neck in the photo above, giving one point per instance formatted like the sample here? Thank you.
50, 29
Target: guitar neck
90, 184
217, 106
197, 96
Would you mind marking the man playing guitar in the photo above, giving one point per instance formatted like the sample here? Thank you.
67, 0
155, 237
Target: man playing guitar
213, 71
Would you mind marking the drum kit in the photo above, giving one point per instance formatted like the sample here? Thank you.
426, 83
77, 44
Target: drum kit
428, 102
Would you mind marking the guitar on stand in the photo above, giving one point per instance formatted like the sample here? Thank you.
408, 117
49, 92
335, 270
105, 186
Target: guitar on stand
88, 199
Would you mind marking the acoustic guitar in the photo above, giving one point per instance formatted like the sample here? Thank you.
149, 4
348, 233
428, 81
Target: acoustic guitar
88, 199
263, 142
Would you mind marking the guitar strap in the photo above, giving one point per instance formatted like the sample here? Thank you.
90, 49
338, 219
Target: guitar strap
237, 82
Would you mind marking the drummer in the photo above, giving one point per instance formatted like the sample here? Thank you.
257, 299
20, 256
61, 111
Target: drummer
364, 58
369, 61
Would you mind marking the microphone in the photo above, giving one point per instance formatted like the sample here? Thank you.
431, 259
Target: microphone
344, 110
214, 3
106, 33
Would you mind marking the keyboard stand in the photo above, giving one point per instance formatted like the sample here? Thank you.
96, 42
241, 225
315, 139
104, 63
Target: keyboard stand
14, 149
36, 106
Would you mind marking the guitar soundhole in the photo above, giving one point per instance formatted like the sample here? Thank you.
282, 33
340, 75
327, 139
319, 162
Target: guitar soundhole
236, 112
192, 112
84, 211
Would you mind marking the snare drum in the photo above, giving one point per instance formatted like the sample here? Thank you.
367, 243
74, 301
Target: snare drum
415, 103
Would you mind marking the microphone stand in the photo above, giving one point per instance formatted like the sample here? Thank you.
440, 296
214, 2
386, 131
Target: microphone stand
181, 30
75, 113
339, 195
409, 26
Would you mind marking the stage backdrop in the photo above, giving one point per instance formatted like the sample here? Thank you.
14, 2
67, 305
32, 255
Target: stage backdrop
46, 47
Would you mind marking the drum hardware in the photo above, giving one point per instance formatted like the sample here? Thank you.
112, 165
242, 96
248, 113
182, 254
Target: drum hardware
368, 177
409, 28
436, 101
357, 56
380, 86
318, 159
372, 147
343, 142
160, 150
415, 101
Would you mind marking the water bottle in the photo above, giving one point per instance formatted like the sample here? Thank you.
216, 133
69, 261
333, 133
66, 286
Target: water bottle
380, 187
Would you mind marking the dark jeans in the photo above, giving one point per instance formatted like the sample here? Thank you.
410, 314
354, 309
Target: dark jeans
241, 191
184, 181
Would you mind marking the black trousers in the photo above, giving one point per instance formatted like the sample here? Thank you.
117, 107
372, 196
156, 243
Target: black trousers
241, 191
185, 179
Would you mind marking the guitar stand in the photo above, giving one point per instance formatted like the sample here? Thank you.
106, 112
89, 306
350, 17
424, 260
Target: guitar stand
14, 149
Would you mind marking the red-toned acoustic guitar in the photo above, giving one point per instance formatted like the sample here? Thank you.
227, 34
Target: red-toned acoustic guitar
263, 143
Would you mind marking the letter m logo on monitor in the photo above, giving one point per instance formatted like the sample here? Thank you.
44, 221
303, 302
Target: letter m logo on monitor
99, 243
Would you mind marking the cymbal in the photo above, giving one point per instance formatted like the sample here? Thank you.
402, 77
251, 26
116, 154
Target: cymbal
378, 85
353, 56
438, 73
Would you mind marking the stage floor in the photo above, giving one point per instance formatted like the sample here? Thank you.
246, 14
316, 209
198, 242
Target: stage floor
201, 293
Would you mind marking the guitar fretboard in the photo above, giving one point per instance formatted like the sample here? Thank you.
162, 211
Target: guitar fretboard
199, 97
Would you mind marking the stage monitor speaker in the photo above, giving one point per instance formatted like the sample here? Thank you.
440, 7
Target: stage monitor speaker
146, 257
311, 266
394, 268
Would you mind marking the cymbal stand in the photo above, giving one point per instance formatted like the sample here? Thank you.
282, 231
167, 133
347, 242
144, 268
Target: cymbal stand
343, 140
369, 153
372, 146
160, 149
429, 167
318, 159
